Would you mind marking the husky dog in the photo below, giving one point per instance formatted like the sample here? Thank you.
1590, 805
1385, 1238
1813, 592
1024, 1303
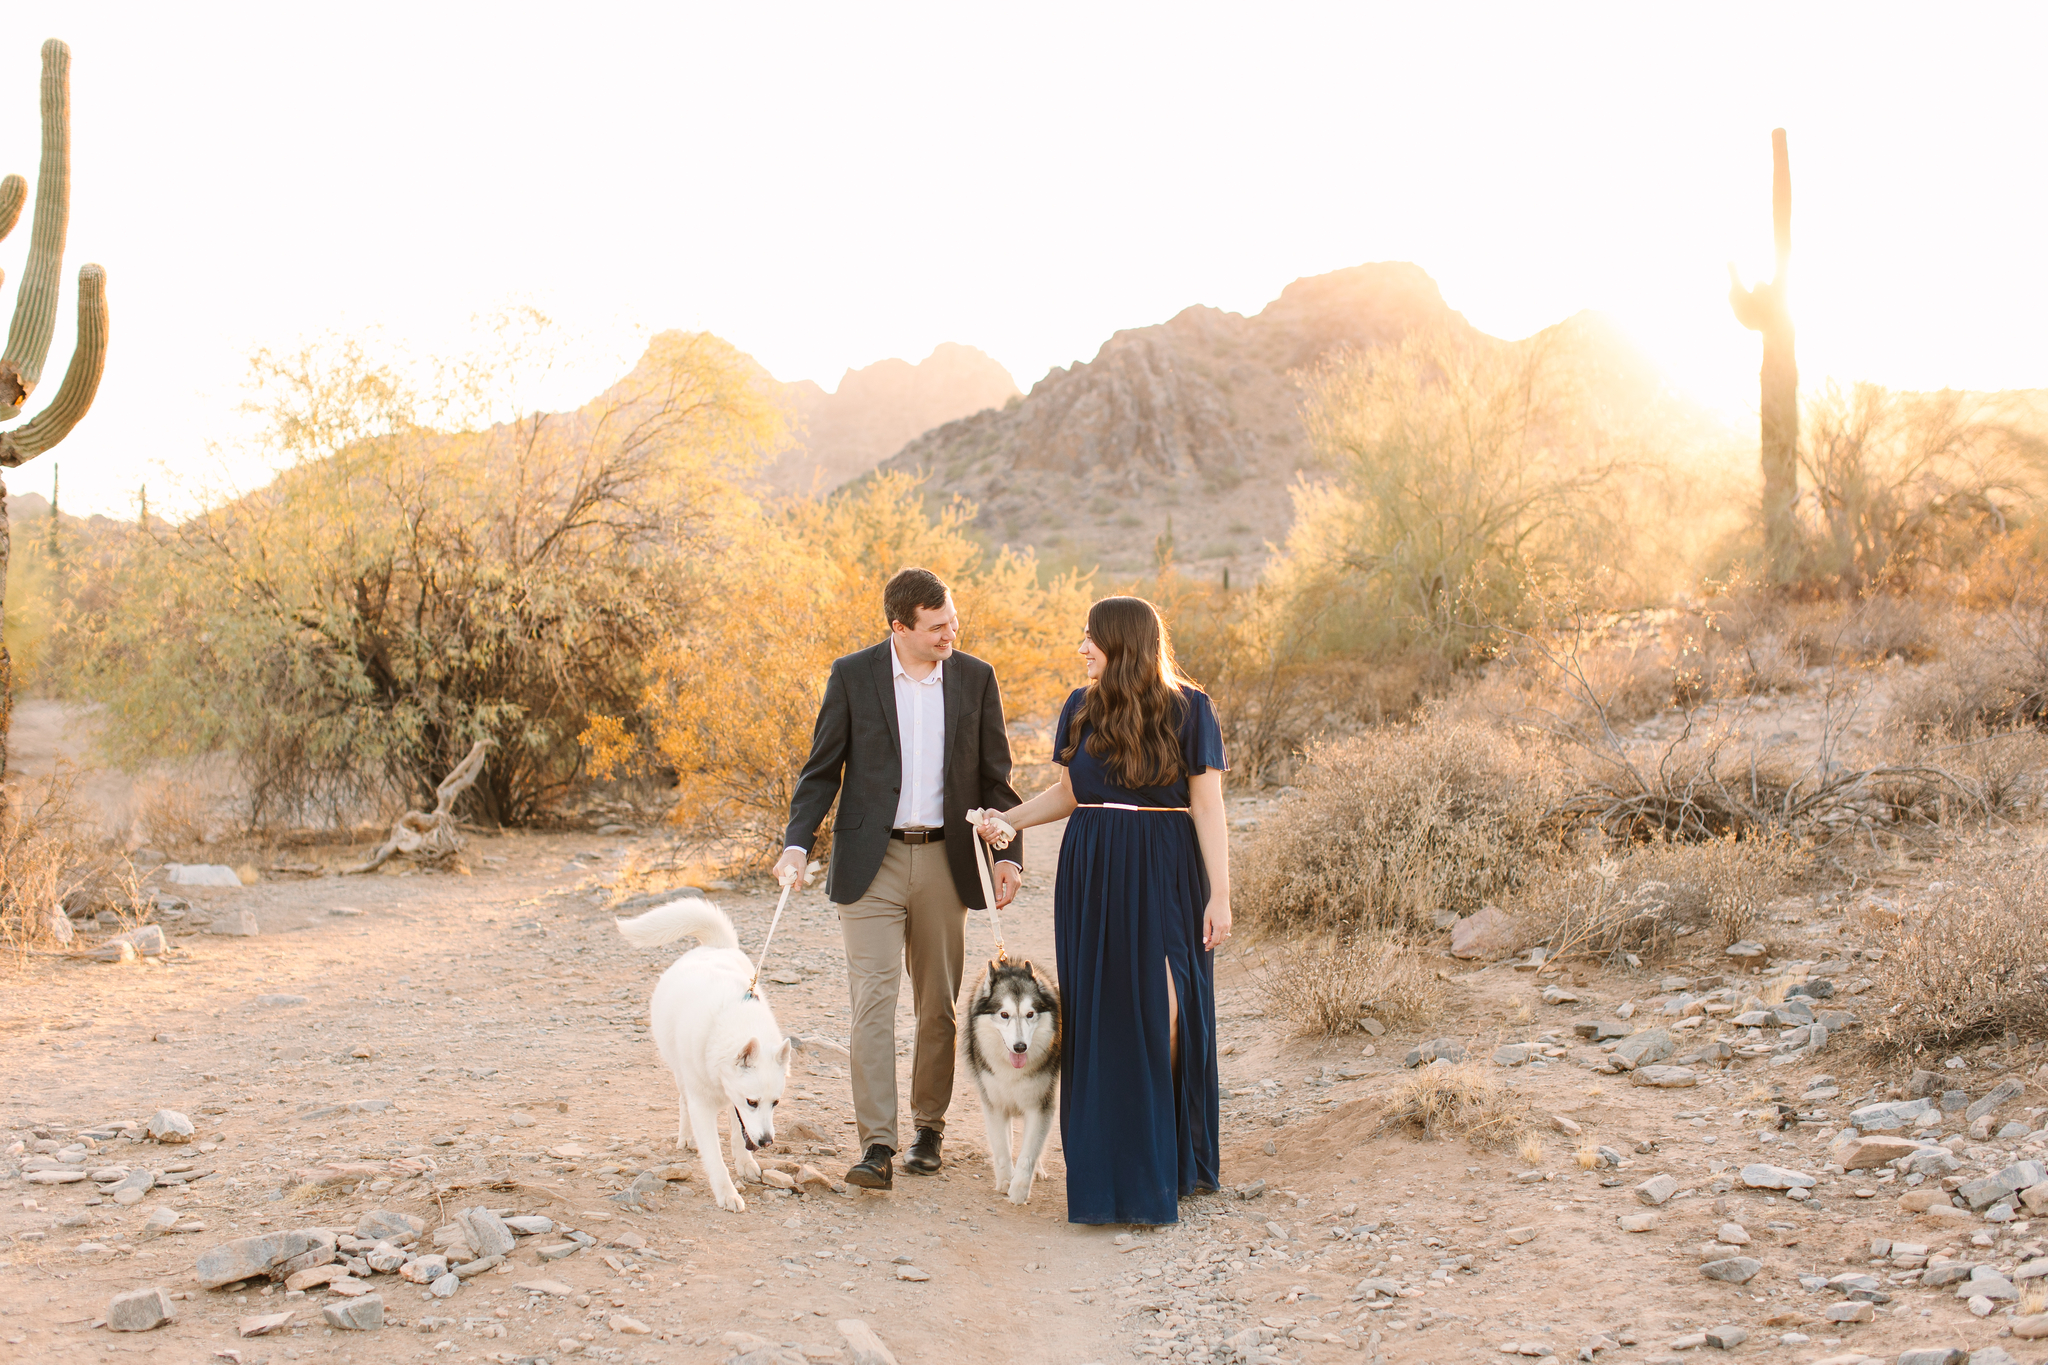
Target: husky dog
1011, 1047
717, 1035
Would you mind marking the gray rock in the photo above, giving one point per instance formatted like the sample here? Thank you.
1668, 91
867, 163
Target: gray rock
2021, 1175
1934, 1355
1656, 1189
644, 1192
1887, 1116
1819, 988
863, 1344
1795, 1010
1642, 1049
1511, 1054
168, 1125
2013, 1130
1733, 1270
1924, 1084
132, 1187
246, 1258
446, 1285
384, 1258
2003, 1093
1485, 933
1726, 1338
389, 1225
1436, 1049
425, 1269
485, 1232
364, 1313
1760, 1176
469, 1270
232, 924
1992, 1285
159, 1222
1746, 951
201, 874
1948, 1272
1665, 1077
138, 1310
530, 1224
1991, 1355
1600, 1030
148, 940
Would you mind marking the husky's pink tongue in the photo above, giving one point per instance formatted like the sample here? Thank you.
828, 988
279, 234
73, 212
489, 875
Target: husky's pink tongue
1017, 1060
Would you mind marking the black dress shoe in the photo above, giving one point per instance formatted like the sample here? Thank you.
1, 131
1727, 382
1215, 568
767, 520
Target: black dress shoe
923, 1156
873, 1171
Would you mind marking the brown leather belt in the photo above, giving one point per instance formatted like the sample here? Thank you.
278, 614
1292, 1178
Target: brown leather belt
918, 836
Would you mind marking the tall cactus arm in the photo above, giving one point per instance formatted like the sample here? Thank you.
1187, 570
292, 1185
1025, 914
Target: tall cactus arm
35, 308
81, 378
13, 193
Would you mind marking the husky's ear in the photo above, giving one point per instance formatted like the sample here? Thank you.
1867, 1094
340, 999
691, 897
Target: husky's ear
747, 1053
1024, 966
782, 1054
993, 967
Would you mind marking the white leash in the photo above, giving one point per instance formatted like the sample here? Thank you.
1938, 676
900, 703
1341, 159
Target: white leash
787, 887
984, 863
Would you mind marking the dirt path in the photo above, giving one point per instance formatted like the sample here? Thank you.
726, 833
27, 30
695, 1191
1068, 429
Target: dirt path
502, 1017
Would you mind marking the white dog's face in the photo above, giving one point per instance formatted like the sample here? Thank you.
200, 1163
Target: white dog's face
753, 1086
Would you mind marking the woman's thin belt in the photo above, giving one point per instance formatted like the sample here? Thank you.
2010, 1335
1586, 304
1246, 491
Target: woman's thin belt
1118, 805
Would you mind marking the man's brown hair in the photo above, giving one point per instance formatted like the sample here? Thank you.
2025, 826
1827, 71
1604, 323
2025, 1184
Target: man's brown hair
909, 590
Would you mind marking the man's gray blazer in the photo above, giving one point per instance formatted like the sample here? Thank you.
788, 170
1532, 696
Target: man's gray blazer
856, 757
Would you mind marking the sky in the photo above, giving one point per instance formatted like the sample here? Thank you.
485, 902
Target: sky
829, 185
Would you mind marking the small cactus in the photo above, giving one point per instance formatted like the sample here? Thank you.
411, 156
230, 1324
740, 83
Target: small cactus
35, 318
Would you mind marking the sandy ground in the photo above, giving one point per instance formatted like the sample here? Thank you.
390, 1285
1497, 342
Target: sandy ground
503, 1017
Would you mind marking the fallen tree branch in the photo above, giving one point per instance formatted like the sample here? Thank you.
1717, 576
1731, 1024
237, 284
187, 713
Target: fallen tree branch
436, 835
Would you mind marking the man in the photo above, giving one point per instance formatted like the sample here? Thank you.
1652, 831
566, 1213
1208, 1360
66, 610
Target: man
909, 738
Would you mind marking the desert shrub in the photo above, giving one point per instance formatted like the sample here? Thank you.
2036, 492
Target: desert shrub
732, 693
1643, 899
1462, 474
1972, 964
424, 572
1392, 826
1331, 986
49, 851
1904, 484
1465, 1100
1992, 676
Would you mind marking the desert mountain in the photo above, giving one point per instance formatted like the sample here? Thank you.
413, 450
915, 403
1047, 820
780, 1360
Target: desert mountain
1193, 423
877, 409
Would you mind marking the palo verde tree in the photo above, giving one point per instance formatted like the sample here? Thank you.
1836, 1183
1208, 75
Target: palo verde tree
35, 319
1763, 308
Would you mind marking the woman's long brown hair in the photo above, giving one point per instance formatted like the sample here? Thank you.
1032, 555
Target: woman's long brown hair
1135, 708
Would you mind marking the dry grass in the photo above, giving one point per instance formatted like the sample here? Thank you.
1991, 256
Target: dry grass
1465, 1100
1332, 987
47, 853
1532, 1150
1640, 900
1394, 825
1973, 964
1993, 676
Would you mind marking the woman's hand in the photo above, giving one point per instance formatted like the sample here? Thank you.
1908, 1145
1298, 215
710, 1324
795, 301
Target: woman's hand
995, 831
1215, 923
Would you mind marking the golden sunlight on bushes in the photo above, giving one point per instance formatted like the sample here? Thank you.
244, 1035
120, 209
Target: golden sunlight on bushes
733, 691
1332, 986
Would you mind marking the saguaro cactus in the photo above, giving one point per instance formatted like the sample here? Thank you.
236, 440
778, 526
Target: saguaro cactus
1764, 309
35, 319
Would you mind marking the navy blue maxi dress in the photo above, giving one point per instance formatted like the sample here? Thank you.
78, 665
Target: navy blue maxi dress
1127, 911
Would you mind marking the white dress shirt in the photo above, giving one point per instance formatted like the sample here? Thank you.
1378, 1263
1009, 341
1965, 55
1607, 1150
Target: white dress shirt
921, 725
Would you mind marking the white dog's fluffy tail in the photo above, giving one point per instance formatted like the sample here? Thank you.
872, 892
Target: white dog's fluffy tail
692, 915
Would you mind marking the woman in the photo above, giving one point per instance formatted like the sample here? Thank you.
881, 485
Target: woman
1141, 900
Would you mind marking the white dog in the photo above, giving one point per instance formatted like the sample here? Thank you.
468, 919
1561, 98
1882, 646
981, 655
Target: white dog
1011, 1049
717, 1035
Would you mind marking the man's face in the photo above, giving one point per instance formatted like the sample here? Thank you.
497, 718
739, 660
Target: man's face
932, 638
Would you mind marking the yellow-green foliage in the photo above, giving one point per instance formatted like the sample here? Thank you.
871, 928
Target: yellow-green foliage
417, 576
732, 692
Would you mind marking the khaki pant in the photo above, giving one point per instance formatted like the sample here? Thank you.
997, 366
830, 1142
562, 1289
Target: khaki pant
911, 916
